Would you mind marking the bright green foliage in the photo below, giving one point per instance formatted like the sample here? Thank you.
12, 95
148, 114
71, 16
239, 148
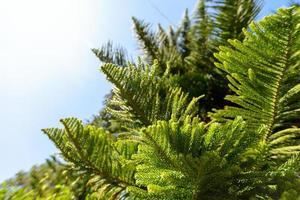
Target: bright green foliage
51, 180
59, 193
146, 98
192, 161
98, 153
181, 161
112, 172
249, 151
264, 73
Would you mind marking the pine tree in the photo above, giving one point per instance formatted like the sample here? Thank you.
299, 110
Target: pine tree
250, 150
189, 48
162, 148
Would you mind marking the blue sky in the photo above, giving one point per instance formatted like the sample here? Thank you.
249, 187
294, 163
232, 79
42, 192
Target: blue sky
48, 72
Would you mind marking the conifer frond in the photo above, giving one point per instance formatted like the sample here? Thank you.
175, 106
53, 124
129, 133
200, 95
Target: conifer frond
263, 71
143, 97
146, 38
97, 153
232, 16
110, 54
161, 46
184, 38
162, 37
219, 161
191, 160
201, 38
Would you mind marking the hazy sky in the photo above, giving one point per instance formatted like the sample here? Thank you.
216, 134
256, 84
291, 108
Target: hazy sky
48, 72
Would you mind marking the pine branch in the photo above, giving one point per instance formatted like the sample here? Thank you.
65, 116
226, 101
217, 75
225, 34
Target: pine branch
262, 72
93, 151
145, 98
108, 54
232, 16
146, 39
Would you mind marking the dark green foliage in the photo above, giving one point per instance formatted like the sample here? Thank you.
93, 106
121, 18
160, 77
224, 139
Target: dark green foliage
118, 56
109, 54
187, 51
232, 16
107, 120
146, 38
183, 40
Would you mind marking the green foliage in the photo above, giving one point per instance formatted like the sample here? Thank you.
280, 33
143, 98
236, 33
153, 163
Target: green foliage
220, 161
98, 153
181, 161
188, 50
233, 16
105, 119
110, 54
146, 38
248, 151
264, 73
146, 98
51, 180
165, 150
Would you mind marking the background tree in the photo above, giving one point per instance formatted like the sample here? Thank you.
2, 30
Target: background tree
188, 49
51, 180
